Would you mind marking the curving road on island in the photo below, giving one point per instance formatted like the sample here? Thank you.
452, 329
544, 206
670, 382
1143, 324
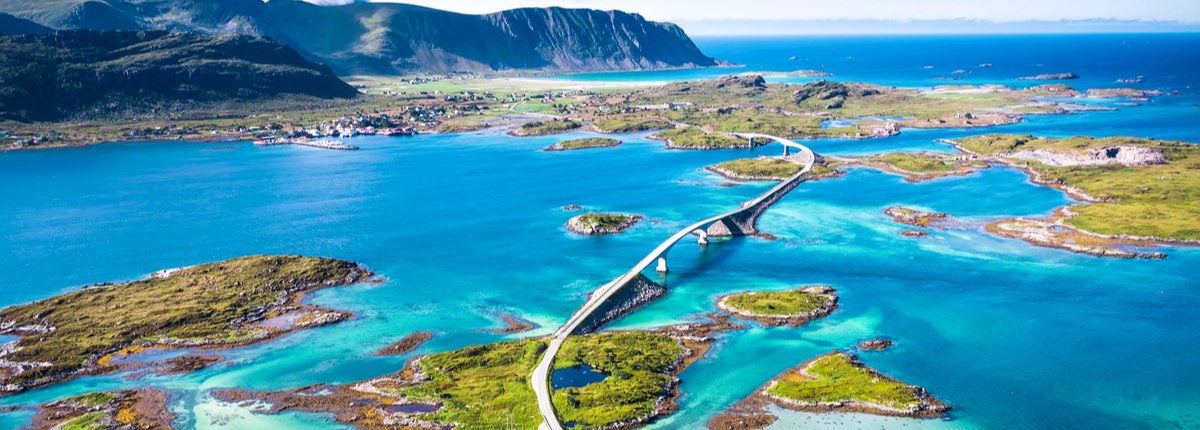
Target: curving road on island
540, 379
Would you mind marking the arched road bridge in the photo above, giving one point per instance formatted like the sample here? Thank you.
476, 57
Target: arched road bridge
737, 222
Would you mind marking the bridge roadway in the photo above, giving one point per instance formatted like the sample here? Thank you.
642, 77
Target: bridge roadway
540, 378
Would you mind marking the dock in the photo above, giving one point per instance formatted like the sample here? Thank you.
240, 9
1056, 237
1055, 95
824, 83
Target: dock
315, 143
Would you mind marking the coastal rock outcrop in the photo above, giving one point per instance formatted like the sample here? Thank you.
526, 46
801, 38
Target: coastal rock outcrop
1049, 77
1125, 155
596, 224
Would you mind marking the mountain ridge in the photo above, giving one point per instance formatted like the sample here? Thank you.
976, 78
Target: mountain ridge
392, 38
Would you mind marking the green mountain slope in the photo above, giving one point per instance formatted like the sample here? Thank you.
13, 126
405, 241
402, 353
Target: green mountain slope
50, 76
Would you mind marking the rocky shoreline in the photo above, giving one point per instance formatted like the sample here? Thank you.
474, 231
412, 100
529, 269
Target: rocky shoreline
592, 224
406, 344
142, 408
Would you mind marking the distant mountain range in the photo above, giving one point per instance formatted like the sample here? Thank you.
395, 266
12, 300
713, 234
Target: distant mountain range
50, 76
389, 38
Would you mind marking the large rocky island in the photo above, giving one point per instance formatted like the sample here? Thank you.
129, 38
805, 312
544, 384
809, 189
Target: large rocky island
1137, 193
100, 329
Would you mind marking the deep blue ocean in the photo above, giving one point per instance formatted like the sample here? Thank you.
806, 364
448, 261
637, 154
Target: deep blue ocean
469, 226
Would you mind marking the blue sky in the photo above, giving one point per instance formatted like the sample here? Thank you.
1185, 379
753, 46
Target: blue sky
723, 16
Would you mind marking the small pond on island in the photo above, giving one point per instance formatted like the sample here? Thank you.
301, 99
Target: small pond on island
574, 377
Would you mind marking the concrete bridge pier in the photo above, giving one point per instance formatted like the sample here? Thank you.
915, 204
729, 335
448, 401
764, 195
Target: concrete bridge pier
786, 150
703, 236
662, 265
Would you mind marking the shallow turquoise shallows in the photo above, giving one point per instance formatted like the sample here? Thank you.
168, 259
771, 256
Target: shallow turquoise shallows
468, 227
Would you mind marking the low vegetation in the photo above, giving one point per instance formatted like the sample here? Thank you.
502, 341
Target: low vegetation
487, 386
925, 162
695, 138
840, 380
779, 303
542, 128
630, 125
207, 304
1160, 200
584, 143
761, 168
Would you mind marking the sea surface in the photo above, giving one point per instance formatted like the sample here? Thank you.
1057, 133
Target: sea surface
467, 227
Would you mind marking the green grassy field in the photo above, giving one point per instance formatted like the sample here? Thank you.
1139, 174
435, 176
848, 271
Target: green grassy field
839, 377
1161, 200
487, 386
761, 167
695, 138
630, 125
542, 128
924, 162
777, 303
199, 303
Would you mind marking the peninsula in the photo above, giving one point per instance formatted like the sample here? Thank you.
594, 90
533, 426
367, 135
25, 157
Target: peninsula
1136, 192
217, 305
837, 381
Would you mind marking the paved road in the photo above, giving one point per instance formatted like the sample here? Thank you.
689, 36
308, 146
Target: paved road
541, 374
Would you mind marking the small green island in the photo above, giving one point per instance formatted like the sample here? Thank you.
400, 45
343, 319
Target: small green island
917, 217
143, 408
225, 304
1136, 192
584, 143
834, 382
923, 166
547, 127
774, 308
487, 386
597, 224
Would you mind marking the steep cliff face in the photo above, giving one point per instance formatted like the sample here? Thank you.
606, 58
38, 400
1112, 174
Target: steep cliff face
391, 38
52, 75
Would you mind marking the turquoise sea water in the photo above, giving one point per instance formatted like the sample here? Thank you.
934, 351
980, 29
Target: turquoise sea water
466, 227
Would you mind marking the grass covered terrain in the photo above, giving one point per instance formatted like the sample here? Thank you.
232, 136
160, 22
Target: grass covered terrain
778, 303
584, 143
1155, 200
630, 125
205, 304
542, 128
924, 162
760, 168
839, 377
695, 138
487, 386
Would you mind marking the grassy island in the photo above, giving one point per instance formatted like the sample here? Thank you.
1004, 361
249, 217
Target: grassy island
792, 307
630, 125
923, 166
834, 382
594, 224
542, 128
839, 381
917, 218
757, 169
210, 304
487, 386
135, 409
584, 143
695, 138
